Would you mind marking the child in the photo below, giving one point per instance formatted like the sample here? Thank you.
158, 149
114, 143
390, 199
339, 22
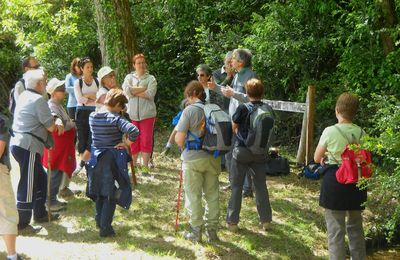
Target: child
254, 164
109, 159
200, 169
62, 157
341, 200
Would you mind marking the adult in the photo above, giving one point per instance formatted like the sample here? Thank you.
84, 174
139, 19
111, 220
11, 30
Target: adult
244, 161
200, 169
241, 63
341, 201
8, 210
204, 75
33, 123
109, 160
75, 73
62, 156
141, 88
107, 79
85, 90
29, 63
224, 76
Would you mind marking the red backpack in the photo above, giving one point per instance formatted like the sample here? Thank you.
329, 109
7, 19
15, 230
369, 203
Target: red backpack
356, 162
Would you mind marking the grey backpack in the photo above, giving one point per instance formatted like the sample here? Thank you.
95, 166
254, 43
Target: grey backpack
218, 134
261, 124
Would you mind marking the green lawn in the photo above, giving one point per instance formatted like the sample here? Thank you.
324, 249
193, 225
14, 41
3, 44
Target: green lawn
147, 229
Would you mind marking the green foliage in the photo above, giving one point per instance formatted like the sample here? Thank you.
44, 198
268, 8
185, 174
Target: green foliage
385, 185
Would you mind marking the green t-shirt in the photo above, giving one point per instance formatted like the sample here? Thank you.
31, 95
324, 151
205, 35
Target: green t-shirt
334, 141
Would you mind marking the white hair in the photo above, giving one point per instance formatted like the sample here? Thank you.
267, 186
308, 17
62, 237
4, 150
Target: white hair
32, 78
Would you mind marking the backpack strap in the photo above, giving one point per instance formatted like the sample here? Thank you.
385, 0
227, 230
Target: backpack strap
348, 141
81, 83
96, 81
23, 82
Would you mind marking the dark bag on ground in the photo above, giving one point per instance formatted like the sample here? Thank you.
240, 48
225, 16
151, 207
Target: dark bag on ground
277, 165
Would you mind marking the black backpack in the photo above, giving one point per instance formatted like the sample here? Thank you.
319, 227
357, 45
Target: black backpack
261, 124
12, 101
81, 83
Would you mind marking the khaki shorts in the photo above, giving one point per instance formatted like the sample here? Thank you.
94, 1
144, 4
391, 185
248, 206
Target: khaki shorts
8, 208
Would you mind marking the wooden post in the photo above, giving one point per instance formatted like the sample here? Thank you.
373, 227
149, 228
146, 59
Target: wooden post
310, 123
301, 152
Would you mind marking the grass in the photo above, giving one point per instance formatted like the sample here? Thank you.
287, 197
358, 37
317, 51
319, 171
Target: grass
147, 229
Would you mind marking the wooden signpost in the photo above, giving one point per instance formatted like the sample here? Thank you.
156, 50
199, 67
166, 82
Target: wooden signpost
306, 144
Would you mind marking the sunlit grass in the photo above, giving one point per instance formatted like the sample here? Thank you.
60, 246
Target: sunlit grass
147, 229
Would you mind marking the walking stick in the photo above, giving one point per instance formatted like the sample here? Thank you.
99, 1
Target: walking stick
134, 181
178, 204
48, 185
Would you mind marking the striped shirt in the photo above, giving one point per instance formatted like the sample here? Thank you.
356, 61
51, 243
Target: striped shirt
108, 128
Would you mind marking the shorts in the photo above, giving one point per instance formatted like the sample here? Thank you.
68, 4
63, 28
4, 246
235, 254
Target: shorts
8, 208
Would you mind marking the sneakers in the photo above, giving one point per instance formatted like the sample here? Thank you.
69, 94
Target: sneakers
57, 206
212, 235
29, 230
232, 227
45, 218
194, 234
145, 171
265, 226
66, 193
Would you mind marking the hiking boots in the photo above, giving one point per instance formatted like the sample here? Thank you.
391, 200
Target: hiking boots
65, 193
265, 226
232, 227
107, 232
45, 218
194, 234
212, 235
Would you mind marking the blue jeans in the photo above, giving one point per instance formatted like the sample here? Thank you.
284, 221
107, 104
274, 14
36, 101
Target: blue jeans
105, 208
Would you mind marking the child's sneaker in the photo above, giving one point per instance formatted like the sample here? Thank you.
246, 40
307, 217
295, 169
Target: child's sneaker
145, 171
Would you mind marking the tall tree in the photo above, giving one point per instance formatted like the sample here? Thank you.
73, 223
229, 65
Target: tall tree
116, 32
388, 21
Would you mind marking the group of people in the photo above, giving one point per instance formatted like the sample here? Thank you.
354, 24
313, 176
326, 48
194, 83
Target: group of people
103, 119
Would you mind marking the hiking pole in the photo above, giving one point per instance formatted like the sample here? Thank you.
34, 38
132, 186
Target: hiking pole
48, 185
178, 204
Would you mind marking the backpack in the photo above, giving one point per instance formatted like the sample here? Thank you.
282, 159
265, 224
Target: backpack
81, 83
312, 171
261, 123
11, 99
356, 162
218, 131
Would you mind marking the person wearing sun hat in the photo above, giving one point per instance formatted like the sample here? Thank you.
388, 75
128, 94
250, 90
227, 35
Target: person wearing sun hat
107, 79
62, 156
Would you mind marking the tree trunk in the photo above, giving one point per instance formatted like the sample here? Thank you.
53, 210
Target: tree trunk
101, 32
127, 32
388, 20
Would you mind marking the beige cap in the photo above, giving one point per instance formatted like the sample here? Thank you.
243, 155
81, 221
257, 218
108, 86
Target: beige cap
53, 84
103, 72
